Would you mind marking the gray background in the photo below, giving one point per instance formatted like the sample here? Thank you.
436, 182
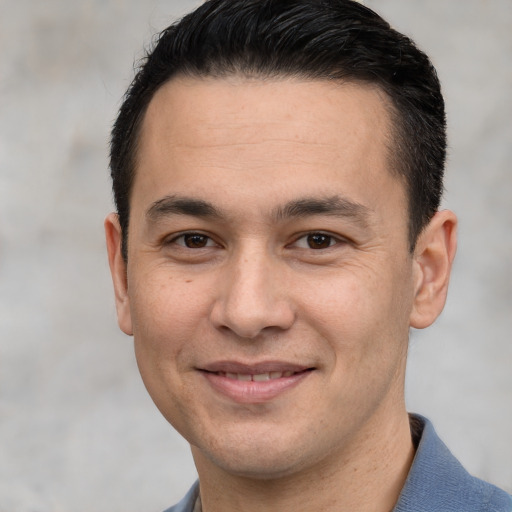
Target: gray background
77, 430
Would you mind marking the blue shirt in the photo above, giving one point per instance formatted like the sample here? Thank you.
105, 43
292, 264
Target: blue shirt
436, 482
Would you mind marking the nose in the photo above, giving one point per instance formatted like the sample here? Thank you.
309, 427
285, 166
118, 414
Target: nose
253, 298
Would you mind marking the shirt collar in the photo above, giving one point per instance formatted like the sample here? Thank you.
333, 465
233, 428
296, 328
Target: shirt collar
437, 481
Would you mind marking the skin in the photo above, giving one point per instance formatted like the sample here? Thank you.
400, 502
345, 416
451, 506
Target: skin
267, 231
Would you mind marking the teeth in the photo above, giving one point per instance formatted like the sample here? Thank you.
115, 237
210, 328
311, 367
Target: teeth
257, 378
261, 376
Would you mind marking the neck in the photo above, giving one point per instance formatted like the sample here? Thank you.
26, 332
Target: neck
368, 476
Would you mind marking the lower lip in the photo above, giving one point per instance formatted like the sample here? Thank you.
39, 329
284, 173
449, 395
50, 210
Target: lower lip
251, 392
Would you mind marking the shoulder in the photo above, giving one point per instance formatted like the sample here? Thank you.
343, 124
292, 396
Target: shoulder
188, 502
437, 481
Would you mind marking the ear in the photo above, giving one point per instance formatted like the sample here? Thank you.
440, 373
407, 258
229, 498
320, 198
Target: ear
118, 270
433, 258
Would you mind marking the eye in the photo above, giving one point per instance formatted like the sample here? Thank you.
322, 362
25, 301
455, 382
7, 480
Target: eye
316, 241
194, 241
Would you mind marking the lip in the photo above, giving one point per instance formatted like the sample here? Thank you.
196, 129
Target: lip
222, 377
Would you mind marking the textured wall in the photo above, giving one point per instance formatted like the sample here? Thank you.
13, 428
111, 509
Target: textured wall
77, 430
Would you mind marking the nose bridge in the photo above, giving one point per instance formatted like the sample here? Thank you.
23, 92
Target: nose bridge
252, 297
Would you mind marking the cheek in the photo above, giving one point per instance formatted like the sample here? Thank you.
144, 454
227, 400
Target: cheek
343, 305
168, 314
163, 301
362, 313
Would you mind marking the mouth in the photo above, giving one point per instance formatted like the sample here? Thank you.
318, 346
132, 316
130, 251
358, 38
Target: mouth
254, 383
260, 377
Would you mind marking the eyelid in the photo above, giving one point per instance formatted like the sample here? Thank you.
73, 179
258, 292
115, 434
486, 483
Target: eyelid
173, 239
338, 239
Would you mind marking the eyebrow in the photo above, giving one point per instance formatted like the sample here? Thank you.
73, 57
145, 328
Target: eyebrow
173, 205
335, 205
309, 206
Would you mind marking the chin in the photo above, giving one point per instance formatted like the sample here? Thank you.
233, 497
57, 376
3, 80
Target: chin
272, 467
257, 461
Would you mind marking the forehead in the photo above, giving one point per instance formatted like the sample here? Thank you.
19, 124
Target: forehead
196, 132
203, 104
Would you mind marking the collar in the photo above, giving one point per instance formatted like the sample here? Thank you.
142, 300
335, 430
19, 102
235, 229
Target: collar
438, 482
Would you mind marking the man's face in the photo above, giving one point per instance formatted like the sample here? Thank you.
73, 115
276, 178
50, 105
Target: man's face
269, 285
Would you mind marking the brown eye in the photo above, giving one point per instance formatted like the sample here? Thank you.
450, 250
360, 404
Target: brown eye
319, 241
195, 240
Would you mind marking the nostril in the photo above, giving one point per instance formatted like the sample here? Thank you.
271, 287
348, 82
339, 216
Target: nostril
252, 320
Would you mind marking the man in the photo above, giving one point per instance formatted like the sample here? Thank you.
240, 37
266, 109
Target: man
277, 169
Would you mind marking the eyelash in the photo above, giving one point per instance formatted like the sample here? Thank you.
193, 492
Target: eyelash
189, 235
331, 240
323, 237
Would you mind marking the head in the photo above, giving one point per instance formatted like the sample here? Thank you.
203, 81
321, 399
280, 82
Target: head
332, 40
277, 171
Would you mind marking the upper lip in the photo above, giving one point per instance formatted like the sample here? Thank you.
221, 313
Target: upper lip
253, 369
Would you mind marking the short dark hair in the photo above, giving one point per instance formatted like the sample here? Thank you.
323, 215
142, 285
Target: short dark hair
307, 39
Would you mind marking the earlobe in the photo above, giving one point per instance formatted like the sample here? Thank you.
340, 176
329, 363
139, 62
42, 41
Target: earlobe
434, 254
118, 271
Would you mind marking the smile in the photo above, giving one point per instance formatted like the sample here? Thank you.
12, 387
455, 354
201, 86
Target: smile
257, 384
261, 377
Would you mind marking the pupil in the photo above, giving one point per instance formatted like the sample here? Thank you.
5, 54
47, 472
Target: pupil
319, 241
195, 241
